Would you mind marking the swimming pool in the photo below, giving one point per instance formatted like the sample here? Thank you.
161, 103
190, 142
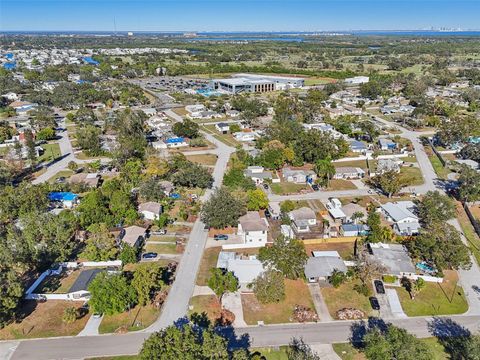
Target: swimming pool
424, 267
208, 92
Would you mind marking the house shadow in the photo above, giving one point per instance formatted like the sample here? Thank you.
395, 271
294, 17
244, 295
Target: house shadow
26, 308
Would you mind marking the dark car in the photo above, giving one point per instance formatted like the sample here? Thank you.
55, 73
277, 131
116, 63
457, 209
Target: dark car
149, 255
315, 187
159, 232
265, 186
374, 303
219, 237
379, 287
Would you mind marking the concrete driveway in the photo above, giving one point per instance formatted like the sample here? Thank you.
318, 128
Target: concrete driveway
233, 302
395, 305
91, 327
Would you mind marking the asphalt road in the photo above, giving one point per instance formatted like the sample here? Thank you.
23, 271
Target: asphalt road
176, 305
272, 335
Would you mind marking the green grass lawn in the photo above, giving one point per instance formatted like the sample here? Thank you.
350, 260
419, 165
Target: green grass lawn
209, 260
469, 231
362, 164
136, 319
284, 188
51, 152
206, 303
161, 248
272, 353
446, 298
297, 293
225, 138
340, 184
347, 352
345, 297
441, 171
413, 174
63, 173
204, 159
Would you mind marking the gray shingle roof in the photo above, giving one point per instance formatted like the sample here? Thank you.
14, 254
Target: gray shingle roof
84, 279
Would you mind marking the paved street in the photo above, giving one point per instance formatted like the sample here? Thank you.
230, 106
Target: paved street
176, 305
271, 335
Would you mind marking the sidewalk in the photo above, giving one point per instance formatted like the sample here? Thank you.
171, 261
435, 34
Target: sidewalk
91, 327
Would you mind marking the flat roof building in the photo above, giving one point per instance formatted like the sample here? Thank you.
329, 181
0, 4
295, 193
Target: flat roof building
255, 83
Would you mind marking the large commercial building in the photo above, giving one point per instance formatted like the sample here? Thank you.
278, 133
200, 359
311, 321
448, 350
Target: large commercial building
255, 83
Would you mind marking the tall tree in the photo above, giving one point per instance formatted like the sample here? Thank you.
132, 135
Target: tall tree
111, 294
287, 256
222, 209
394, 343
101, 244
256, 199
469, 184
325, 171
269, 287
221, 282
435, 207
146, 282
11, 292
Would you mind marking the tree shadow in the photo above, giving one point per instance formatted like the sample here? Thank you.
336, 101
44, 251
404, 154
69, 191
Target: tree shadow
360, 328
200, 319
234, 342
453, 336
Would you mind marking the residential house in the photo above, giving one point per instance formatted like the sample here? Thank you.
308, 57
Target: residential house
349, 230
257, 174
150, 210
357, 80
348, 173
387, 144
402, 214
394, 257
245, 270
167, 187
245, 136
253, 229
67, 199
274, 210
351, 210
358, 146
322, 265
336, 112
384, 165
79, 289
194, 111
133, 235
176, 142
232, 113
302, 219
299, 176
10, 96
334, 207
89, 179
222, 127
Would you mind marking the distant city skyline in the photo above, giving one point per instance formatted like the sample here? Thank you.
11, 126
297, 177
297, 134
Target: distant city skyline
237, 15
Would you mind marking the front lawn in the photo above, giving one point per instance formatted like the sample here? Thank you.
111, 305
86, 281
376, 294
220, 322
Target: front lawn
362, 164
270, 353
285, 188
137, 318
469, 231
51, 152
446, 298
43, 320
297, 293
208, 304
203, 159
161, 248
412, 174
209, 260
62, 173
347, 352
340, 184
345, 297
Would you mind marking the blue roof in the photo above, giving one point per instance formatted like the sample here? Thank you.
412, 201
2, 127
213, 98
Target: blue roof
9, 56
355, 227
357, 144
90, 60
175, 140
62, 196
9, 65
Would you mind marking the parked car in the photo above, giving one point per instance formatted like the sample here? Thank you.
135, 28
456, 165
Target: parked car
149, 255
159, 232
219, 237
379, 287
315, 187
97, 315
265, 186
374, 303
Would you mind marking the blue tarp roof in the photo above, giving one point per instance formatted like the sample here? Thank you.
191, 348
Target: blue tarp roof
90, 60
9, 55
175, 140
9, 66
62, 196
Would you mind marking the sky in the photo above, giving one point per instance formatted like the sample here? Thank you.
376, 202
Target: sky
236, 15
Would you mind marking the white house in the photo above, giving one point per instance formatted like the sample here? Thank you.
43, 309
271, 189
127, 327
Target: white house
222, 127
194, 111
357, 80
298, 176
10, 96
253, 229
244, 136
348, 172
302, 219
322, 265
257, 174
150, 210
402, 214
334, 207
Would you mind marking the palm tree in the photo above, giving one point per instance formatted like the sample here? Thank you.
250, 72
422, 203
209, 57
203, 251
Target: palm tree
357, 215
